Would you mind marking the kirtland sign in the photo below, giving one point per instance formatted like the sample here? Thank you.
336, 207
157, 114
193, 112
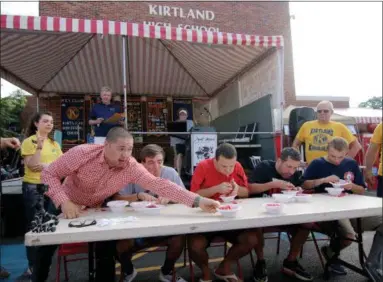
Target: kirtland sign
178, 12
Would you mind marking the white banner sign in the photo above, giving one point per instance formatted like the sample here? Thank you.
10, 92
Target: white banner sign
203, 147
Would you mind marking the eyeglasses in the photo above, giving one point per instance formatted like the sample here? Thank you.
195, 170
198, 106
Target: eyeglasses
79, 224
323, 111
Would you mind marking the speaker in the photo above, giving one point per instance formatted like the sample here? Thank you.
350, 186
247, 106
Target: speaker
298, 117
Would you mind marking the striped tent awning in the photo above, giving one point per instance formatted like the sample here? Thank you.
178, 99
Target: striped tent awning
79, 56
362, 115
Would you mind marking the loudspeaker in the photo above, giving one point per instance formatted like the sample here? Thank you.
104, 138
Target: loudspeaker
298, 117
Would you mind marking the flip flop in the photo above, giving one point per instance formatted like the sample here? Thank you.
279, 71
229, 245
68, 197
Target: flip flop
227, 278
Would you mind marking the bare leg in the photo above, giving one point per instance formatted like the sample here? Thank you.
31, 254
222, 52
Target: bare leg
246, 241
297, 242
125, 252
179, 159
174, 250
197, 245
260, 244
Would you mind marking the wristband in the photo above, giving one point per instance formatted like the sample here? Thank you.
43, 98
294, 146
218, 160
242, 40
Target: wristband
196, 202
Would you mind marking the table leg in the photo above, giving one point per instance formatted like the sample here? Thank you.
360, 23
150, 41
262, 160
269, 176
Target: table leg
91, 262
360, 242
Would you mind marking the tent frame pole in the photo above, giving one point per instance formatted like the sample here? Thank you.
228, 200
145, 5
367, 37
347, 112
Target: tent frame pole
124, 53
38, 102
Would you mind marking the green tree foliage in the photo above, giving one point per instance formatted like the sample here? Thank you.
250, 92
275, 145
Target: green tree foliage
373, 103
10, 110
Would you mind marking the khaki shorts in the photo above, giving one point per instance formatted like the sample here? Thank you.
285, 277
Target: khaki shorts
348, 226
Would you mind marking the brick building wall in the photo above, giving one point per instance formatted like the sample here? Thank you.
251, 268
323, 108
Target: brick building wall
263, 18
51, 104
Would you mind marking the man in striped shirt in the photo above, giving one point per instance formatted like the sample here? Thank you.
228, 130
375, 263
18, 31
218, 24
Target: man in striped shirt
93, 174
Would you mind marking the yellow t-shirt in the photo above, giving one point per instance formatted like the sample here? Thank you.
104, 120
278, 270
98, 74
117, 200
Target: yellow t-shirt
316, 136
51, 151
377, 138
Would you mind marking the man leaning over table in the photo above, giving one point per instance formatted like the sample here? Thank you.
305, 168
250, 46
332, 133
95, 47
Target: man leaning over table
372, 153
330, 169
152, 158
222, 175
94, 173
316, 134
271, 177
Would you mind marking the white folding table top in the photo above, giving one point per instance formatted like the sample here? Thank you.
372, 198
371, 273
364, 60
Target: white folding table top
179, 219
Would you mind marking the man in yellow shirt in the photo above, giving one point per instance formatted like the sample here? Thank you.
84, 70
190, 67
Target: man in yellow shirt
317, 133
371, 155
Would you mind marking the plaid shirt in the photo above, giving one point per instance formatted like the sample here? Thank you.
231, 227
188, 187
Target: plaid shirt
90, 181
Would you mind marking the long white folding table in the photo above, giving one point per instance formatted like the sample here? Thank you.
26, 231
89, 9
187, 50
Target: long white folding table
178, 219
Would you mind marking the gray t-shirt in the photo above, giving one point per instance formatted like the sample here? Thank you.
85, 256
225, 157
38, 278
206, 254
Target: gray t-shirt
166, 173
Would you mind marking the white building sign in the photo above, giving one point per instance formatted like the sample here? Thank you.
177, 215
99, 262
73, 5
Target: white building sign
178, 12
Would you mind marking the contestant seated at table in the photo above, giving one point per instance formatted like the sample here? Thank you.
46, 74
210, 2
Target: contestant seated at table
271, 177
152, 157
329, 169
222, 175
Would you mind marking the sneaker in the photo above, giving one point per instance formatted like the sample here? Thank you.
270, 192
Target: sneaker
169, 277
260, 272
26, 276
130, 277
294, 269
335, 268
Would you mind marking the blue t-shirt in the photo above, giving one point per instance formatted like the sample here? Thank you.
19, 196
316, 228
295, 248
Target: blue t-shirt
104, 111
347, 170
167, 172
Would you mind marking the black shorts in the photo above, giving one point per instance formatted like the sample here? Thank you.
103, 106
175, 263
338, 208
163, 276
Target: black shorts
180, 149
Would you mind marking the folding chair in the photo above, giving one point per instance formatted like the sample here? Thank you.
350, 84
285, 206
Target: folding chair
66, 250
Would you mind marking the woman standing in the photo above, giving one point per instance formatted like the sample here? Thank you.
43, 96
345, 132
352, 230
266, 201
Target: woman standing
38, 151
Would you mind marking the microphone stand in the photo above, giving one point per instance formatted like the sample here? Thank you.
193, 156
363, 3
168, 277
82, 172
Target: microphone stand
210, 117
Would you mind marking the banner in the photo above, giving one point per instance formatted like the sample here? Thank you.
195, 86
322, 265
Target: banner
72, 120
157, 115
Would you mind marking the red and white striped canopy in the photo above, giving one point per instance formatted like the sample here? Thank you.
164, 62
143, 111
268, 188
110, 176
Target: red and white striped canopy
79, 56
362, 115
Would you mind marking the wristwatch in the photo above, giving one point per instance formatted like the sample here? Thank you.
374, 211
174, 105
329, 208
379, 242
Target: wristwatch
196, 202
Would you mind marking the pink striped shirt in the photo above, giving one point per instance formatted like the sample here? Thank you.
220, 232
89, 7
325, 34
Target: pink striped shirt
89, 179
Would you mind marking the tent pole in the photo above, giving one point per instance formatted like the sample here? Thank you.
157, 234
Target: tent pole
38, 102
124, 51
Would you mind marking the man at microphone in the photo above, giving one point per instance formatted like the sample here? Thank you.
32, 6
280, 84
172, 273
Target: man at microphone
101, 112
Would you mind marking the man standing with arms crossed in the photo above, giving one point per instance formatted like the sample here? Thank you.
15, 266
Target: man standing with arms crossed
317, 133
371, 155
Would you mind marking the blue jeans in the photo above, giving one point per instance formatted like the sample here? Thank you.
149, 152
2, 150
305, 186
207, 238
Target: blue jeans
380, 187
